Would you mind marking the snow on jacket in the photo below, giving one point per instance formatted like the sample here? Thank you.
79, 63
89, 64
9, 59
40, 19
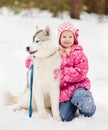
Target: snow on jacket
73, 73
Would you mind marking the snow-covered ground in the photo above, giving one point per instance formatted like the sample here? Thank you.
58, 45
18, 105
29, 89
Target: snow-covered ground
16, 33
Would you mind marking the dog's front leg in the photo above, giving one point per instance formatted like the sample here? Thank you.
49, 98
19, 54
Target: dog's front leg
54, 95
39, 98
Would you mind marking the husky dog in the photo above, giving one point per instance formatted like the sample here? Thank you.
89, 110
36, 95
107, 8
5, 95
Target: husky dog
46, 58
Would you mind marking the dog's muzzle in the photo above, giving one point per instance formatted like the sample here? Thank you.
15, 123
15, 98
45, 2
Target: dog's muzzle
31, 52
27, 48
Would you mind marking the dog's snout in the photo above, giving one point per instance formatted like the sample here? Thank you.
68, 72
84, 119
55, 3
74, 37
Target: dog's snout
28, 48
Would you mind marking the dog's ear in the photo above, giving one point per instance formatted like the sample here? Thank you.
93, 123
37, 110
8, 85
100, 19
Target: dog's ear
37, 28
47, 31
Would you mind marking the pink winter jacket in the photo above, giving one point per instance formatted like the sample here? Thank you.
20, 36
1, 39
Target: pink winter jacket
73, 73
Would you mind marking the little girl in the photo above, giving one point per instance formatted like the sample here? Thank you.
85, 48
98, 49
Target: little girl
74, 86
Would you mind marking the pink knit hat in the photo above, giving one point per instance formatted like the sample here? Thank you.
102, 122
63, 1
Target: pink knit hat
68, 26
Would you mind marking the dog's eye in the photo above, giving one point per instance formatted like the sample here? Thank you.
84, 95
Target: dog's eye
37, 41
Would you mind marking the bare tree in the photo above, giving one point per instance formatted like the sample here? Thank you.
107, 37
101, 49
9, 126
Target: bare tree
75, 8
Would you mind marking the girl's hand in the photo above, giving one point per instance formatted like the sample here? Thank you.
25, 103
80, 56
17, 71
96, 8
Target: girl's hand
28, 62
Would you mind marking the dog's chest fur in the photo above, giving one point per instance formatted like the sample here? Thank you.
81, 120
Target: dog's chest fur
44, 71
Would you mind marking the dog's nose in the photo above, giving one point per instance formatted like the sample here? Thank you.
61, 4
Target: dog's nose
28, 48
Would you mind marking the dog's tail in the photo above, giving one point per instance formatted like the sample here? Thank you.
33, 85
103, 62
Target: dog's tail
9, 99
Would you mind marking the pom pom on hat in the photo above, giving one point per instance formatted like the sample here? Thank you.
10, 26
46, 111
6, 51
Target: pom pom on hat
68, 27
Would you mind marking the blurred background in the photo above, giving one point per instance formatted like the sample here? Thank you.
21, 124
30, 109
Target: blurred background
73, 7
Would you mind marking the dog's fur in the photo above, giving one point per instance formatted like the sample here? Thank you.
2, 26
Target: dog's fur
46, 59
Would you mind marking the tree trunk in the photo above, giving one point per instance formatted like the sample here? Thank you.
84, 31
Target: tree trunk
75, 8
106, 7
96, 6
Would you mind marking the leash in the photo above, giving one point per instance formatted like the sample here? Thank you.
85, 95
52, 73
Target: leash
31, 88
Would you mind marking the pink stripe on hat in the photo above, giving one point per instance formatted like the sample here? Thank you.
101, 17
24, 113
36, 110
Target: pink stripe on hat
68, 26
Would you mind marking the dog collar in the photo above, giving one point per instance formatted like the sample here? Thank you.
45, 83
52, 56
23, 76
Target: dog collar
51, 54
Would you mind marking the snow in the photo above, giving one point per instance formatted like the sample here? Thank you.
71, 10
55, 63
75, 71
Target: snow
16, 32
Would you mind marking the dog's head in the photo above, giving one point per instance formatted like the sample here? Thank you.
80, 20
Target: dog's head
44, 43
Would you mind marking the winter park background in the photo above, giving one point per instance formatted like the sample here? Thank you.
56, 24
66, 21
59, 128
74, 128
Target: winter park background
16, 32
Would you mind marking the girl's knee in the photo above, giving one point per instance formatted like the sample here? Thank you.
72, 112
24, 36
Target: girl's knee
84, 101
67, 111
88, 107
67, 116
88, 111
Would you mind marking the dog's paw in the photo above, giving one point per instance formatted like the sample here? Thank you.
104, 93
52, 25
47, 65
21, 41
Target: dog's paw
17, 108
43, 115
57, 118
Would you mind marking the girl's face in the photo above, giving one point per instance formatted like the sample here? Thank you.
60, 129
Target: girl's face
67, 39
